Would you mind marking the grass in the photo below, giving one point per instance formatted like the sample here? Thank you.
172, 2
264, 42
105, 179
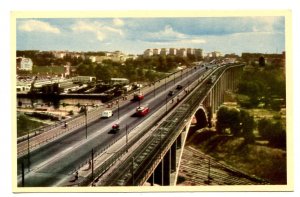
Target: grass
25, 124
47, 69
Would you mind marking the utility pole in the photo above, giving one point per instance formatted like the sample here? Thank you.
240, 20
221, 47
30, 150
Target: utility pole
23, 174
118, 110
174, 78
85, 113
28, 151
154, 89
166, 104
165, 83
132, 171
126, 138
92, 164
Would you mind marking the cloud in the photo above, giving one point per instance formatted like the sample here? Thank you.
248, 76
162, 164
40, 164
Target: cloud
38, 26
169, 36
101, 31
166, 35
118, 22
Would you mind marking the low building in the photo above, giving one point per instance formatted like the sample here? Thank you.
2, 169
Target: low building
24, 64
83, 79
116, 81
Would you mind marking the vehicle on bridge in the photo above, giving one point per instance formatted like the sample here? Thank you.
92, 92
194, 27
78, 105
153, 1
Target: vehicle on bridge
107, 114
171, 93
179, 87
142, 111
115, 128
138, 97
212, 79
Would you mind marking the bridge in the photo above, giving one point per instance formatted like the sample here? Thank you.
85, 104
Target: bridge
156, 158
148, 153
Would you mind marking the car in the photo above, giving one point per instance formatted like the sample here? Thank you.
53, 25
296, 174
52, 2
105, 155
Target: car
171, 93
179, 87
142, 111
115, 128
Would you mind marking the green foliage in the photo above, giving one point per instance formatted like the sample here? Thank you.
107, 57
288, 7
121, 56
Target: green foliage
240, 123
263, 86
247, 126
55, 70
273, 131
261, 61
25, 124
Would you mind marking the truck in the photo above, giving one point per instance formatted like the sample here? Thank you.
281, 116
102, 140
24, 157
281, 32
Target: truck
138, 97
142, 111
107, 114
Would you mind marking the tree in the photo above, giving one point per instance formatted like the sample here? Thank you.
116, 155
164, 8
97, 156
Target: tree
103, 73
261, 61
263, 127
222, 122
234, 121
247, 126
274, 132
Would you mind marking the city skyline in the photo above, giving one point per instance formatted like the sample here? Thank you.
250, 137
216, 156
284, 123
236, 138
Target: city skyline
134, 35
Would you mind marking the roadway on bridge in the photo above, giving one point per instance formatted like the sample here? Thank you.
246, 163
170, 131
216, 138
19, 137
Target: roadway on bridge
58, 159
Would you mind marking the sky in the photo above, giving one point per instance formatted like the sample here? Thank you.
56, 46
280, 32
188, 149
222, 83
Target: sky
262, 34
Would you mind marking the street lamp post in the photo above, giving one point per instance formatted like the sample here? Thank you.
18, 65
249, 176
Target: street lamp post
28, 151
166, 104
154, 89
174, 78
85, 113
126, 138
92, 164
23, 174
181, 74
132, 171
118, 110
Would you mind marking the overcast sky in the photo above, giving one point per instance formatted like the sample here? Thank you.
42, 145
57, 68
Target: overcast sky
134, 35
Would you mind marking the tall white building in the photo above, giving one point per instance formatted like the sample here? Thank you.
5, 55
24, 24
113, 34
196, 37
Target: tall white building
164, 51
172, 51
182, 52
148, 52
156, 51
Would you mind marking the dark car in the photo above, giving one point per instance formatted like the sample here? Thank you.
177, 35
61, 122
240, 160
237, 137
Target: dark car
179, 87
171, 93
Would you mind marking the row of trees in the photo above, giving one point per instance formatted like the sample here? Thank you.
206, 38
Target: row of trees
241, 123
146, 69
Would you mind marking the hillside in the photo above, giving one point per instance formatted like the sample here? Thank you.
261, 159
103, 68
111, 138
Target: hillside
254, 159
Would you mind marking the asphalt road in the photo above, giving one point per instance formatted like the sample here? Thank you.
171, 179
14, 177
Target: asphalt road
58, 159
